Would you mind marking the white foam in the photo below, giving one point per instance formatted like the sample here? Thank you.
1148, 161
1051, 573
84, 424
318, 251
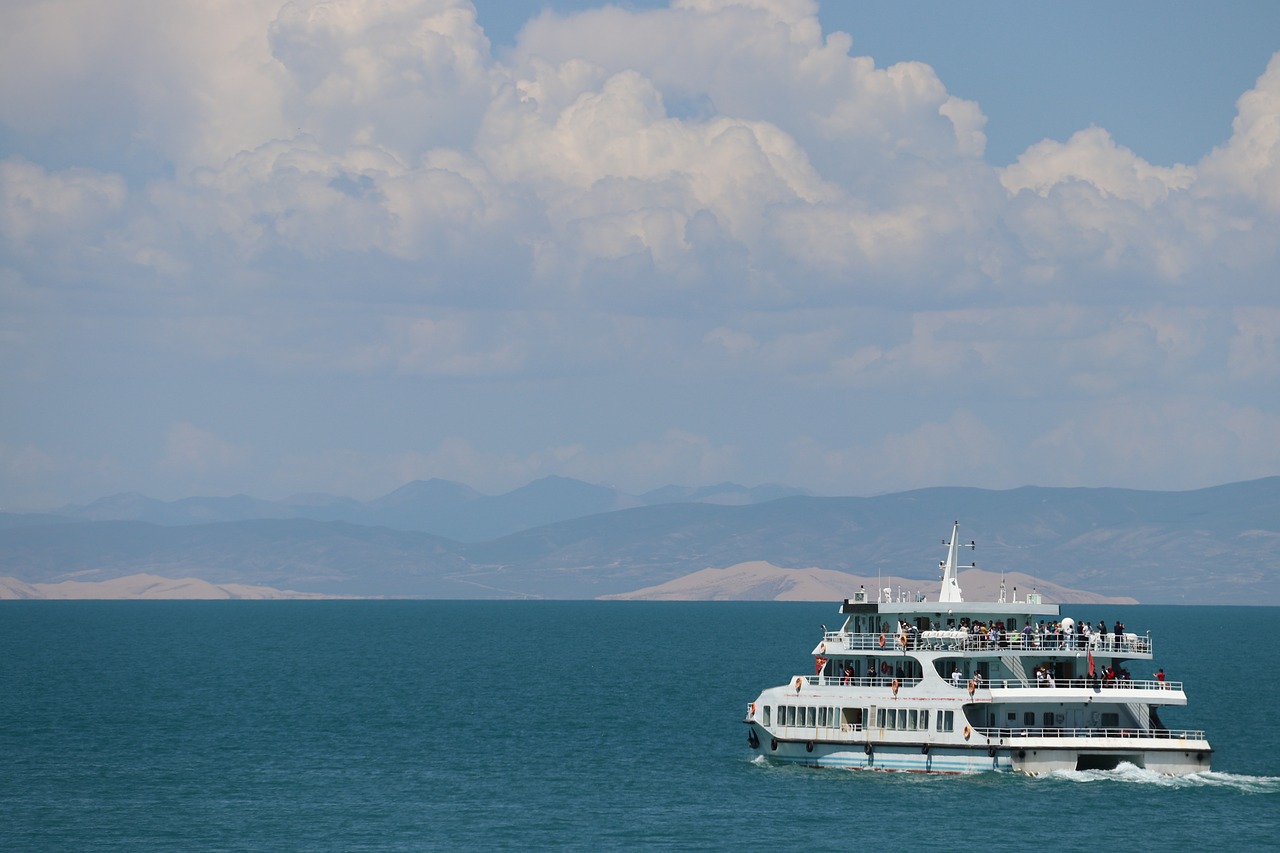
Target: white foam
1126, 772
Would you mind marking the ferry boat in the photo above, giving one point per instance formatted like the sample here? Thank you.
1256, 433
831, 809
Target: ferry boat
950, 686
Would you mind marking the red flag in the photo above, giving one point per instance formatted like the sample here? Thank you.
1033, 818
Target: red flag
1090, 653
818, 664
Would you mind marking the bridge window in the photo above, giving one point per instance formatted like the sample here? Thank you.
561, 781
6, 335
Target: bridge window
766, 720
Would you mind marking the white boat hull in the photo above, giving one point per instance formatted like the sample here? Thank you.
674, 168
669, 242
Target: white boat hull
1174, 758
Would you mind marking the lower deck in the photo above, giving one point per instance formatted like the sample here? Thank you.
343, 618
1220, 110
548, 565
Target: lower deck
988, 752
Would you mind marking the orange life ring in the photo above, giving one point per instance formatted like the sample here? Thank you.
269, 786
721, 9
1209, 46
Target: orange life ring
822, 648
752, 714
799, 683
902, 639
894, 687
973, 685
967, 731
882, 641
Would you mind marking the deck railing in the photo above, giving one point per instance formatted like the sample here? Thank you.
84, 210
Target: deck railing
1092, 732
982, 686
835, 642
1082, 684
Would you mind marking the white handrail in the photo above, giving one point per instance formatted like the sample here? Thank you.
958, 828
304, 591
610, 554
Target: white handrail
835, 642
1092, 732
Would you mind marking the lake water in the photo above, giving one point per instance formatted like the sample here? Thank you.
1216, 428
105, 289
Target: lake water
425, 725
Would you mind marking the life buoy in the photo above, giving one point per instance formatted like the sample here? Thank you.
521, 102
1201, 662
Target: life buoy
894, 687
973, 685
799, 683
967, 731
808, 746
752, 712
822, 648
882, 641
902, 639
773, 744
884, 668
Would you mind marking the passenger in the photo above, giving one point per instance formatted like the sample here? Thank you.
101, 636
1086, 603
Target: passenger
1160, 676
956, 677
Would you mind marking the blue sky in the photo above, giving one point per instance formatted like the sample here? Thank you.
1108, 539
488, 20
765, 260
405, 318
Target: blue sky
276, 247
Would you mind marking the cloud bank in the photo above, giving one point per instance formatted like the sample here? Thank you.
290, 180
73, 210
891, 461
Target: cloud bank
700, 242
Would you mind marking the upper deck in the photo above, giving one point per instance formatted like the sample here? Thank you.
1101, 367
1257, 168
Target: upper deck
1127, 644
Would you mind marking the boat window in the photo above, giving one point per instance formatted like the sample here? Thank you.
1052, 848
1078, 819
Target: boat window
822, 718
1048, 719
1111, 721
1029, 718
946, 720
812, 715
766, 720
913, 720
924, 719
791, 715
880, 718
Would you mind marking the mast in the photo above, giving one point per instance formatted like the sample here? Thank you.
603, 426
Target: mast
950, 567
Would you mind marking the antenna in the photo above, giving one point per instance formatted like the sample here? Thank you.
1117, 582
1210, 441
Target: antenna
950, 567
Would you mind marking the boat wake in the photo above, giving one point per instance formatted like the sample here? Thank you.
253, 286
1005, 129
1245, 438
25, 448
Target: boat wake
1137, 775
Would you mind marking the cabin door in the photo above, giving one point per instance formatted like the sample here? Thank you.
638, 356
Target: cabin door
1075, 719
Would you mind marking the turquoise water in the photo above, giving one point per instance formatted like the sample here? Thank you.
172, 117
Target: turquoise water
398, 725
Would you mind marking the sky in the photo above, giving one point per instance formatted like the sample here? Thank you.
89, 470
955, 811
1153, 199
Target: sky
270, 247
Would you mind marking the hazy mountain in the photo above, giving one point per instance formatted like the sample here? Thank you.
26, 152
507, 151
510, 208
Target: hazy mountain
438, 507
1218, 545
727, 494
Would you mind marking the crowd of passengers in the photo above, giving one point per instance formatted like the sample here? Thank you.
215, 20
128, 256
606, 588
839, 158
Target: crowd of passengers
981, 635
1107, 676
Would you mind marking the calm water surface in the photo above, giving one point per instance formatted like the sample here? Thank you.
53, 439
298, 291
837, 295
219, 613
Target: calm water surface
387, 726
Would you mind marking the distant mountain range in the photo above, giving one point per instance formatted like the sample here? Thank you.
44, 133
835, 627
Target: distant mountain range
561, 538
438, 507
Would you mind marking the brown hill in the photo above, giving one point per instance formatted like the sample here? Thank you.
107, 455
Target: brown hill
761, 581
145, 586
